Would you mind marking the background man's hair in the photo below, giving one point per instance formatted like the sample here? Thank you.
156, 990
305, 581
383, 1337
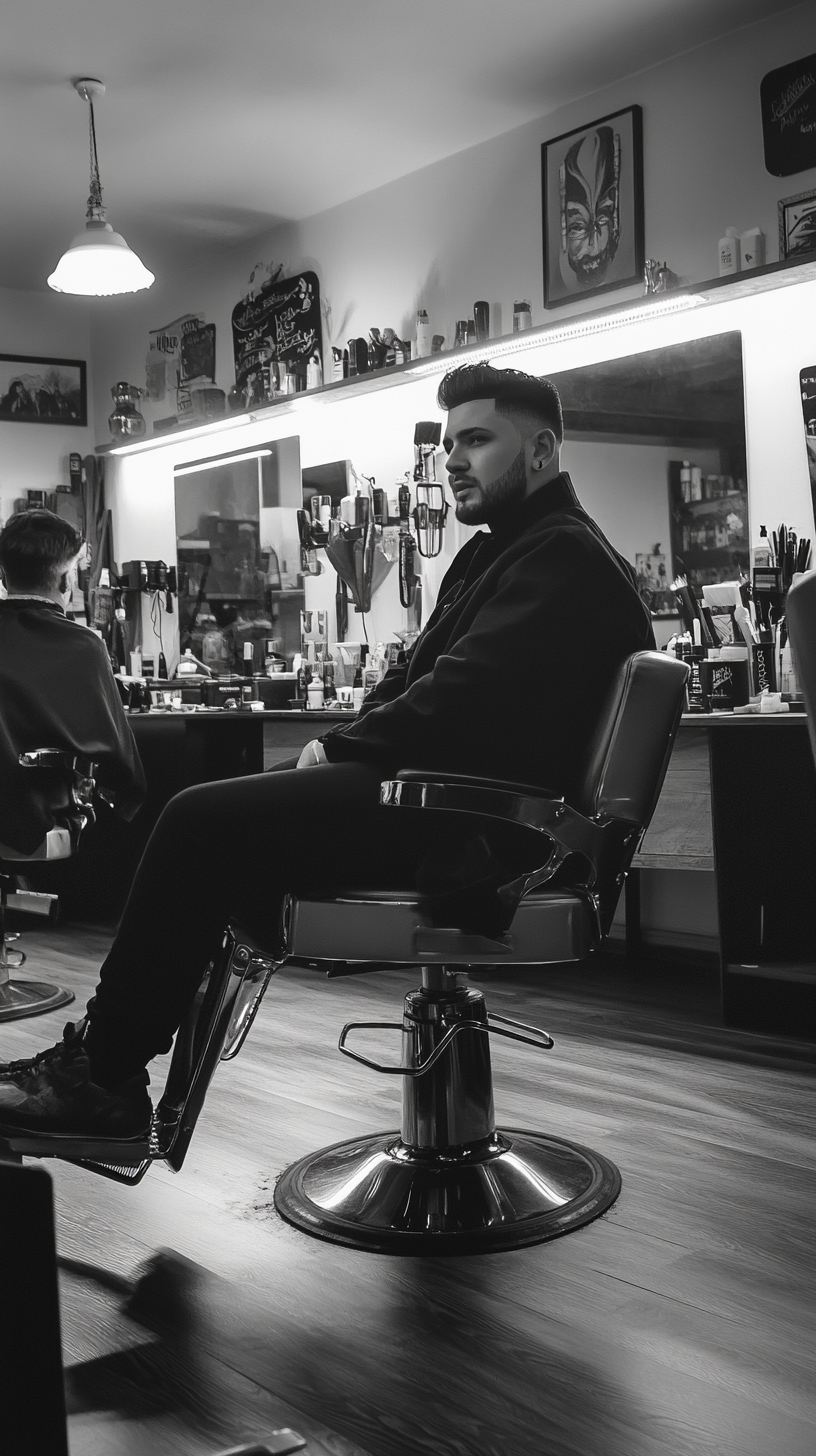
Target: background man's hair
35, 548
517, 395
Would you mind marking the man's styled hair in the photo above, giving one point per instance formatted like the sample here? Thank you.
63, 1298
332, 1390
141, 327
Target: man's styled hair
35, 548
518, 396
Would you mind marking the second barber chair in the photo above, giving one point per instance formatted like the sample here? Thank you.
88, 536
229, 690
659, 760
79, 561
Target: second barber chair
66, 784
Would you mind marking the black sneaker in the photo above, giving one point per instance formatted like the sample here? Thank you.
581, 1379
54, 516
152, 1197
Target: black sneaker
52, 1094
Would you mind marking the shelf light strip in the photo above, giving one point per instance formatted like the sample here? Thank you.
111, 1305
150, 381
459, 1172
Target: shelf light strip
220, 460
580, 329
162, 441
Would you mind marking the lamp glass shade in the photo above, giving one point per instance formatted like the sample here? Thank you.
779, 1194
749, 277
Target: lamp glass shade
99, 262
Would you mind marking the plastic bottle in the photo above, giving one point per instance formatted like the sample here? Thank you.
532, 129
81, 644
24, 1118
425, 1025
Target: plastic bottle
423, 334
522, 316
729, 252
685, 481
315, 697
358, 691
761, 553
752, 248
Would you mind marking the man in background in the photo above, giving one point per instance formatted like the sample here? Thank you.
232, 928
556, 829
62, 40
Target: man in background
56, 682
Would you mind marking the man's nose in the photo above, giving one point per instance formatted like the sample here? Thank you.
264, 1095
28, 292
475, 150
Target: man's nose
456, 462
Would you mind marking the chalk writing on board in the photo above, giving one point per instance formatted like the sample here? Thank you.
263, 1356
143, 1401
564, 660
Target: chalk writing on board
788, 103
278, 326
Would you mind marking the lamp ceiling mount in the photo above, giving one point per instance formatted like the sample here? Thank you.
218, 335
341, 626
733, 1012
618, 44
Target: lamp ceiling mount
89, 88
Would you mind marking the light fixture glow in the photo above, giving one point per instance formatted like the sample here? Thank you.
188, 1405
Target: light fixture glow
99, 262
220, 460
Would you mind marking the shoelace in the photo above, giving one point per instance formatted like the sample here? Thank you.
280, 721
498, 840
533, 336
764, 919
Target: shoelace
31, 1064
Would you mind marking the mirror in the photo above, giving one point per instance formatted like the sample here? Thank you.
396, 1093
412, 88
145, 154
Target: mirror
629, 426
240, 591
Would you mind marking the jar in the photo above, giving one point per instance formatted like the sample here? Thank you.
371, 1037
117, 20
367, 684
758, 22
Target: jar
125, 420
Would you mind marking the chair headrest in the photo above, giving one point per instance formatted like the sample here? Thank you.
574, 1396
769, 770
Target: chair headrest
634, 738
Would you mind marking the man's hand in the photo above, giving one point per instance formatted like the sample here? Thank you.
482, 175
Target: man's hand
313, 754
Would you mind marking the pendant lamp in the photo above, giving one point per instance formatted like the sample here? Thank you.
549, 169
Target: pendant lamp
99, 260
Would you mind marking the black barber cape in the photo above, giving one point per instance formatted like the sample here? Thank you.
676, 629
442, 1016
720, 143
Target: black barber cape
509, 676
57, 691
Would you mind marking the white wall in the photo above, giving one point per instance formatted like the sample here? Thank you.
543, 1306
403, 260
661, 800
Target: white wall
469, 227
34, 456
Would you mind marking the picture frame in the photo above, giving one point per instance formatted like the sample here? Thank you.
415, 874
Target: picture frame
39, 390
592, 208
797, 225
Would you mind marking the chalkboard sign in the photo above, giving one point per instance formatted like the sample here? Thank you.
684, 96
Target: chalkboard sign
787, 97
278, 326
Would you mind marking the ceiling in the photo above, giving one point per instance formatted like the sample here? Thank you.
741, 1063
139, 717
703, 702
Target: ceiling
223, 119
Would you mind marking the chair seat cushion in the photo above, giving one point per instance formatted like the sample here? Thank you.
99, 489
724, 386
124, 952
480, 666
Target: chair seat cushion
56, 845
389, 925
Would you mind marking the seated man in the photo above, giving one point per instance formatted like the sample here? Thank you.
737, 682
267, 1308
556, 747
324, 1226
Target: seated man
533, 621
56, 684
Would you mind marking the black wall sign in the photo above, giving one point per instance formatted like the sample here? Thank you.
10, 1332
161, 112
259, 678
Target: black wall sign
787, 97
281, 323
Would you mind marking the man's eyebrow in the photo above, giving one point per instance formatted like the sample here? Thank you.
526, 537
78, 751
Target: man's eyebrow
447, 443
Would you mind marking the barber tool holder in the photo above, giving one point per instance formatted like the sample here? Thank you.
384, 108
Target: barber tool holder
449, 1181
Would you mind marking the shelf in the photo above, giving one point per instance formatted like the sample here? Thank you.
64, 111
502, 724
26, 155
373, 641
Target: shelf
740, 285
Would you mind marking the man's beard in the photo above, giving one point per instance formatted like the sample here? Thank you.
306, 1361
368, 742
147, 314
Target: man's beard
497, 497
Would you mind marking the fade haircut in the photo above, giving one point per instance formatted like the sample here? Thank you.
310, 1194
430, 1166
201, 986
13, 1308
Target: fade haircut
520, 397
35, 549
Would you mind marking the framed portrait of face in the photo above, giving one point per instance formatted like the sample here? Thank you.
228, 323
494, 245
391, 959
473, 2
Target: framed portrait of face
592, 208
797, 225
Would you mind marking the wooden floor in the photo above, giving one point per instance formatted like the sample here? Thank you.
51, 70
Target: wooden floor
679, 1323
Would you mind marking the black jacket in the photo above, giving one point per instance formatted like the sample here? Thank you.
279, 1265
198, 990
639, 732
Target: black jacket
57, 691
510, 674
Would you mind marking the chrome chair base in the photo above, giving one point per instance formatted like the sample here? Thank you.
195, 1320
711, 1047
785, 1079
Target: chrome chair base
514, 1189
30, 998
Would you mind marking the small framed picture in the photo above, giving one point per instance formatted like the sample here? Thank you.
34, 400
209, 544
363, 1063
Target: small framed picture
797, 225
592, 208
37, 391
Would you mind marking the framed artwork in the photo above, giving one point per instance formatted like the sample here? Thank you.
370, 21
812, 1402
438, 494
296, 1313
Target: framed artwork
797, 225
592, 208
38, 391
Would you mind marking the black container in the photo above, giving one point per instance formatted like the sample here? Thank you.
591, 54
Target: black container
724, 684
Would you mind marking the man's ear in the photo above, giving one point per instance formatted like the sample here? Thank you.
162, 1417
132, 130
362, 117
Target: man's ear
63, 583
545, 449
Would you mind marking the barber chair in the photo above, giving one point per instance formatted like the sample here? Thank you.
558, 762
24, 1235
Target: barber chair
449, 1181
800, 614
67, 785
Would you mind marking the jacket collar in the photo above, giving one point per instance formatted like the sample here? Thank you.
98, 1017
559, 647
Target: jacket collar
32, 603
554, 495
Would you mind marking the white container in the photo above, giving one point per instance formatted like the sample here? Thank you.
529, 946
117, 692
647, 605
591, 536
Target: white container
729, 252
752, 249
314, 693
424, 337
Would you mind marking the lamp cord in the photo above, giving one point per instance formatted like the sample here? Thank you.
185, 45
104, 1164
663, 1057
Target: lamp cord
95, 196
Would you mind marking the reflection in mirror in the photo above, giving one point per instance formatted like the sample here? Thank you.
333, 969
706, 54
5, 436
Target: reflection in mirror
240, 590
655, 444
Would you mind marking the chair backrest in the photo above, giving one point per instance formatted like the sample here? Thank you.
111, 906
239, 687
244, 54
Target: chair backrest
800, 613
634, 739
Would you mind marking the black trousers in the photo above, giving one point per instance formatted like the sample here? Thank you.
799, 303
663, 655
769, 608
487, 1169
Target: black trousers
231, 850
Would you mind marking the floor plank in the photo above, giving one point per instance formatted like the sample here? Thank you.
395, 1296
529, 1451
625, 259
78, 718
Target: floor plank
680, 1323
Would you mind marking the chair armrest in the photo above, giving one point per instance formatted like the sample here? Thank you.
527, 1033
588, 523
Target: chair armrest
520, 804
78, 771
